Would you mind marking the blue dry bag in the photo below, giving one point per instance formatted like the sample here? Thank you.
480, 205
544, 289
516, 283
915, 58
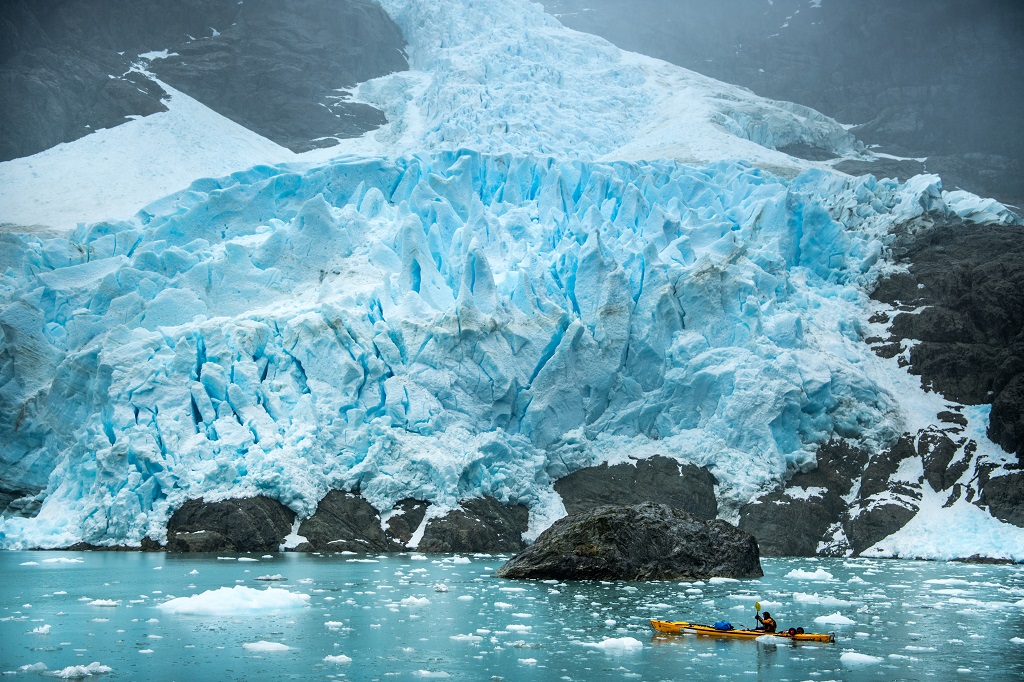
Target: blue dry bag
723, 625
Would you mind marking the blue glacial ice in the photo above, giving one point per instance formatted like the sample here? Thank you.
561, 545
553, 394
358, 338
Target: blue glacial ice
441, 326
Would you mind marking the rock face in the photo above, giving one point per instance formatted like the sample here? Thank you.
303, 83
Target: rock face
481, 525
345, 522
274, 67
657, 479
963, 304
255, 524
640, 542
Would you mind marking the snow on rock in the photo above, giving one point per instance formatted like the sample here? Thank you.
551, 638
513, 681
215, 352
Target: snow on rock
234, 601
954, 531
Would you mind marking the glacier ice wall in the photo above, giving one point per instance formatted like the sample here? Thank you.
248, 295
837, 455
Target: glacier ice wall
441, 327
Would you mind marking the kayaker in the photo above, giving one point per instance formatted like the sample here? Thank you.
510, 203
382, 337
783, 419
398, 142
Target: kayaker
767, 623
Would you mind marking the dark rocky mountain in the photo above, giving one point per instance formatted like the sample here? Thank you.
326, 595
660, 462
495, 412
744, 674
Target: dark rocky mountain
66, 66
920, 78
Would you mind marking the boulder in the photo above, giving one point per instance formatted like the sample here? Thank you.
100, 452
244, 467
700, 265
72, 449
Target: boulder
1004, 496
345, 522
646, 541
253, 524
481, 525
656, 479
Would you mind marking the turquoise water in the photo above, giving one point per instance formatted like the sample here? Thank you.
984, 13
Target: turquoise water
414, 617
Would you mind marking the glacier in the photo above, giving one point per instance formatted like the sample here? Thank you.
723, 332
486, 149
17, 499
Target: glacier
556, 254
443, 327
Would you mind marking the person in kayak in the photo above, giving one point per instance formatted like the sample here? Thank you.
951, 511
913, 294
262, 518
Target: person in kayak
767, 623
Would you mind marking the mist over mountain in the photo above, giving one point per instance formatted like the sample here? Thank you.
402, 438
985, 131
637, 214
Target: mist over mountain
918, 78
68, 68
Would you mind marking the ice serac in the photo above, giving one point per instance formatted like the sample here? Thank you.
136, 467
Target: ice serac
441, 327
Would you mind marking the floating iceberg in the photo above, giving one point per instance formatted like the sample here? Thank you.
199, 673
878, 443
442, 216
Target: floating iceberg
234, 601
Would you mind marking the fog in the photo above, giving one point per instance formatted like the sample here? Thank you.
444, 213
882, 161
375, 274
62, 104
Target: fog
922, 78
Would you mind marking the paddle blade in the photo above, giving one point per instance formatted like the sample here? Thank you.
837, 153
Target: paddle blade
757, 605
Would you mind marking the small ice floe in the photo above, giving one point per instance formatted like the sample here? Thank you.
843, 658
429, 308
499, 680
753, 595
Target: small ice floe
528, 661
333, 624
465, 597
461, 560
158, 568
1017, 640
29, 563
818, 574
66, 560
263, 646
435, 674
267, 556
193, 572
238, 600
771, 640
440, 587
502, 605
834, 619
33, 668
854, 659
41, 630
78, 672
466, 638
518, 627
616, 644
226, 558
819, 600
247, 558
415, 601
340, 658
720, 581
271, 578
610, 622
145, 651
105, 602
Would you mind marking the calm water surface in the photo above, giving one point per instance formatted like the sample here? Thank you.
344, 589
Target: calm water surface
415, 617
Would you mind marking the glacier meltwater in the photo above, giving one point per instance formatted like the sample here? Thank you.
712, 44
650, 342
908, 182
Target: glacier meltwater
442, 326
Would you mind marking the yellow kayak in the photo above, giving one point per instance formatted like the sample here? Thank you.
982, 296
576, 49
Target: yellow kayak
682, 627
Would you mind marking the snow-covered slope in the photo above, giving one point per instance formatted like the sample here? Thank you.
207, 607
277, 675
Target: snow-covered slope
614, 264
